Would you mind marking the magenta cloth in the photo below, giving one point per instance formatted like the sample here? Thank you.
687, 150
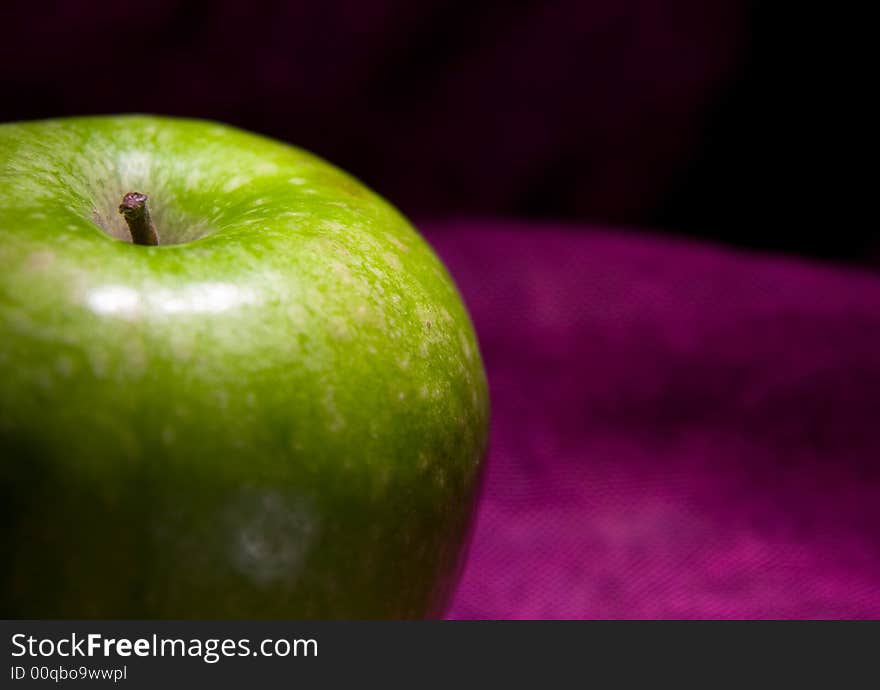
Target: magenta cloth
679, 430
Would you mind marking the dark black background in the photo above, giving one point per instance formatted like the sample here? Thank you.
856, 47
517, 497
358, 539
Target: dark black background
729, 120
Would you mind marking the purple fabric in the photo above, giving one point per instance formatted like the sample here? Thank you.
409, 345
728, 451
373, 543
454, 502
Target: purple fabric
678, 430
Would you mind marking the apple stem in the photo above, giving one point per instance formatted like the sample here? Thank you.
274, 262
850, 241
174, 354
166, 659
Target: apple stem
134, 209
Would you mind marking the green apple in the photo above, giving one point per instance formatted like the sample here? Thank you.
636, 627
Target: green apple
278, 411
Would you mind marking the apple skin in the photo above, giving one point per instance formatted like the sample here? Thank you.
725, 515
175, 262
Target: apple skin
279, 412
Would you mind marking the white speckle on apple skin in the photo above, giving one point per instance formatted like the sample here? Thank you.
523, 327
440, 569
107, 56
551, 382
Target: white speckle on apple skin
334, 226
296, 312
423, 461
182, 345
392, 260
343, 272
40, 261
43, 379
396, 242
64, 365
135, 358
465, 346
234, 183
98, 362
339, 328
335, 421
